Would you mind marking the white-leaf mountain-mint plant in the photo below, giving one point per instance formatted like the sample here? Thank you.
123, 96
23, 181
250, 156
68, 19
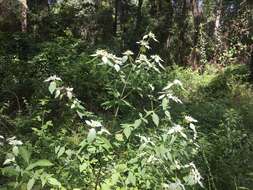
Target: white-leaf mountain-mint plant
146, 151
160, 156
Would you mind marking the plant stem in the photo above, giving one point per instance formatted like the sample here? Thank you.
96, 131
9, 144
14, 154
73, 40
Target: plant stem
98, 177
122, 92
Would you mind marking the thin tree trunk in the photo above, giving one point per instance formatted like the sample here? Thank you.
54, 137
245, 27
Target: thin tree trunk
217, 19
117, 22
196, 21
24, 10
139, 15
195, 57
182, 33
115, 17
159, 7
169, 19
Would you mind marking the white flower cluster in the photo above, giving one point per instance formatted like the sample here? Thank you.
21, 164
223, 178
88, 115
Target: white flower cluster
52, 78
13, 141
168, 93
97, 124
110, 59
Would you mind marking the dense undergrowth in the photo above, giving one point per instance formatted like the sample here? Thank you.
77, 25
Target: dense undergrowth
123, 125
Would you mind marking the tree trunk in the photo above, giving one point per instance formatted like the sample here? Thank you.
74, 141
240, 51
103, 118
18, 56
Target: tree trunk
116, 27
24, 10
195, 57
196, 21
139, 15
169, 19
182, 23
217, 19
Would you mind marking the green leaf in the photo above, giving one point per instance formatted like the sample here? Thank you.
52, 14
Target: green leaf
80, 114
39, 163
155, 119
30, 183
119, 137
124, 59
117, 67
190, 180
105, 59
25, 154
165, 103
174, 186
127, 103
61, 152
105, 187
52, 87
167, 113
131, 179
57, 93
83, 167
10, 171
43, 178
54, 182
91, 135
127, 131
137, 123
15, 150
115, 178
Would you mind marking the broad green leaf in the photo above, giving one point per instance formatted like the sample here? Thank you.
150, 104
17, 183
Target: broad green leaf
52, 87
127, 131
43, 178
165, 103
15, 150
80, 114
39, 163
105, 59
56, 149
167, 113
106, 143
105, 187
9, 160
174, 186
117, 67
124, 59
91, 135
137, 123
119, 137
127, 103
83, 167
131, 179
61, 152
115, 178
57, 93
169, 156
30, 183
10, 171
190, 180
121, 167
25, 154
155, 119
54, 182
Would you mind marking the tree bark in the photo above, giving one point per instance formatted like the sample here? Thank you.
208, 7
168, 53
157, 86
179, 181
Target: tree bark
196, 20
116, 27
217, 19
195, 57
24, 10
182, 32
169, 19
139, 15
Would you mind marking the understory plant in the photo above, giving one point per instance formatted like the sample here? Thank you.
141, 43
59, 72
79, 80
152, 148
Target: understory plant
137, 147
